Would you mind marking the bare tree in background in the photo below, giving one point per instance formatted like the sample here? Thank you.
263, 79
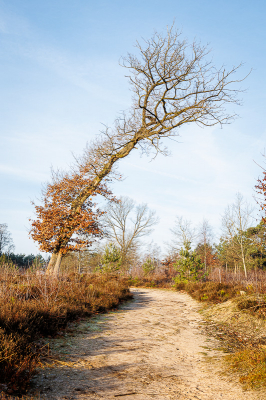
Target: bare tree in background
205, 237
126, 223
183, 233
151, 260
6, 242
173, 84
236, 220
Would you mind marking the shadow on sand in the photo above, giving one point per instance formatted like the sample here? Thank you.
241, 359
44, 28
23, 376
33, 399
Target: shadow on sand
79, 368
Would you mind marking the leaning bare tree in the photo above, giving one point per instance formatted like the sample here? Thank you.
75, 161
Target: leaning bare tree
173, 84
126, 223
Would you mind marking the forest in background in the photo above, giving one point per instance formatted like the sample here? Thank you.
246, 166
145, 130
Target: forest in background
96, 254
192, 253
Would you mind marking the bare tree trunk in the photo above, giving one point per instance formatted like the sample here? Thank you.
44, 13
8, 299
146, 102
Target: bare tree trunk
106, 169
236, 221
244, 264
205, 257
50, 266
57, 264
79, 269
243, 256
220, 277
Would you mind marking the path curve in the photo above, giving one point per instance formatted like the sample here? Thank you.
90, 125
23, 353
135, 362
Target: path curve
152, 347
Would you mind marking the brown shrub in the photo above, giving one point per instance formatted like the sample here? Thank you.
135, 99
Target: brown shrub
160, 279
211, 292
254, 306
250, 364
33, 305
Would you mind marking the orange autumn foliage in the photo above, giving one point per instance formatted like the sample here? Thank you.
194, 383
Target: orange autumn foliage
207, 254
56, 221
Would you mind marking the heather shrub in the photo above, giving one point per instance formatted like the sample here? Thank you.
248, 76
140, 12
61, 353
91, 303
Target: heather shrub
33, 305
214, 292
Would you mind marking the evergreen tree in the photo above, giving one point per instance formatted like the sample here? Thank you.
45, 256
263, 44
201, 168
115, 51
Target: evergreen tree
189, 264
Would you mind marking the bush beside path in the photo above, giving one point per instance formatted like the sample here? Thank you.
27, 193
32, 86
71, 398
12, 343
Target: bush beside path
152, 347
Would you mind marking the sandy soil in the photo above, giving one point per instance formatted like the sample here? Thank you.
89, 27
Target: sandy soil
152, 347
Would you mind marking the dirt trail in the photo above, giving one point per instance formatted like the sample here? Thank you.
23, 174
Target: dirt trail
153, 347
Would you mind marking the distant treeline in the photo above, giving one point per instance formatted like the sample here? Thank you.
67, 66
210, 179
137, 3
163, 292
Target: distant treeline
22, 260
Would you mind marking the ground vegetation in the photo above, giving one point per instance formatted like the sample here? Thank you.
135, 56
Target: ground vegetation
34, 307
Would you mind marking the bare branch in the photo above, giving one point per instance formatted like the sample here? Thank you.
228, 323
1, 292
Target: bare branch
173, 84
127, 223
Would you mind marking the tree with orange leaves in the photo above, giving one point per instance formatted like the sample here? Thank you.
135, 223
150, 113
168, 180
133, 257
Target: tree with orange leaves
173, 84
55, 220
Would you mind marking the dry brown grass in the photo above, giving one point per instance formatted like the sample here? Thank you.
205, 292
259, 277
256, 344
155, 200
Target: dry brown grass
236, 313
211, 292
4, 396
250, 364
242, 334
238, 321
160, 278
33, 305
156, 281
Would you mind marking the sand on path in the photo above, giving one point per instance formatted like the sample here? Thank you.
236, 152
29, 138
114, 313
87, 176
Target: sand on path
153, 347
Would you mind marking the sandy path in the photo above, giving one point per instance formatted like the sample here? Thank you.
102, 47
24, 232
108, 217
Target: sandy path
153, 347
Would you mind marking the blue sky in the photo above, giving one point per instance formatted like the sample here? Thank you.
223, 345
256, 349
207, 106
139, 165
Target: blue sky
60, 81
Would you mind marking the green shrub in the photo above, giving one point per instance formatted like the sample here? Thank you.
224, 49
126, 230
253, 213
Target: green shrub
148, 266
189, 265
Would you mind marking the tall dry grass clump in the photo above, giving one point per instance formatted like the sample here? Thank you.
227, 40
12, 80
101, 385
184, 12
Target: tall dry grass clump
33, 305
